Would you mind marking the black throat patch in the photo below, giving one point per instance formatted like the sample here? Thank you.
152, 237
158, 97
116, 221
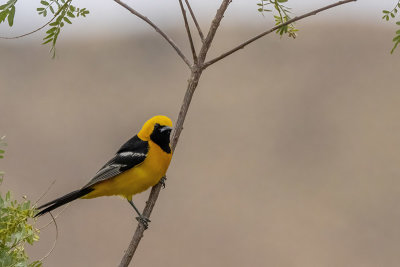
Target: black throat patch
161, 138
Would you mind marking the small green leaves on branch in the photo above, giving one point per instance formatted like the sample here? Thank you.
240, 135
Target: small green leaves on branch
15, 231
281, 16
387, 15
7, 11
63, 12
287, 29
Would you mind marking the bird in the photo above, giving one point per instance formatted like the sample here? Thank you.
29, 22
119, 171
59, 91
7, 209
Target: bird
139, 164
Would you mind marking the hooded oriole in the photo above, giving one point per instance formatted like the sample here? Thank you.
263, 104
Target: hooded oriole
139, 164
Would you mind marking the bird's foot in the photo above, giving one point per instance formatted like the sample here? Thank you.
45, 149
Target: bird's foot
162, 181
144, 221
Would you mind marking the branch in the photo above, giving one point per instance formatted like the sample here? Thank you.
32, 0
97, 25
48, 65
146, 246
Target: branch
55, 240
166, 37
193, 82
213, 29
188, 32
241, 46
45, 193
195, 21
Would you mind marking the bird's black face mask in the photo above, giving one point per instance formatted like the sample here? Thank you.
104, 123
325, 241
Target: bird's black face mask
161, 136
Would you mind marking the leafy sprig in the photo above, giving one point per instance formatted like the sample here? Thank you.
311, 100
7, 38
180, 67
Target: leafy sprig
388, 15
15, 231
282, 15
8, 12
63, 12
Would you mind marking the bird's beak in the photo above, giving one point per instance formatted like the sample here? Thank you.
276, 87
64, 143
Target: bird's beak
165, 128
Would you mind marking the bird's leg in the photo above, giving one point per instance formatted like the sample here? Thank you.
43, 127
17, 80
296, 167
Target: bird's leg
163, 180
141, 219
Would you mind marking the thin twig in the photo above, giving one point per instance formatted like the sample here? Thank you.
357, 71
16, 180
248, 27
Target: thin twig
213, 30
241, 46
188, 32
38, 29
55, 217
45, 193
55, 240
195, 21
165, 36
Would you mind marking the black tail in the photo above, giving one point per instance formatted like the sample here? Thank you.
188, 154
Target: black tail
63, 200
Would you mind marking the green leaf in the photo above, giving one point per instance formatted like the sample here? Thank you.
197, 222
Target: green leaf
385, 12
11, 16
48, 41
51, 30
48, 36
40, 9
394, 47
45, 3
70, 14
51, 9
67, 20
398, 23
59, 18
396, 39
3, 15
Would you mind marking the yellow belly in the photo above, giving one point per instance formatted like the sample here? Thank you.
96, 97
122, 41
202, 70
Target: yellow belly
138, 179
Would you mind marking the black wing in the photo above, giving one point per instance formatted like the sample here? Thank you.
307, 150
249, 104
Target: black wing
128, 156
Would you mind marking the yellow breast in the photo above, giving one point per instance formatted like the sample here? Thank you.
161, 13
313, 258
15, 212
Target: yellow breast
138, 179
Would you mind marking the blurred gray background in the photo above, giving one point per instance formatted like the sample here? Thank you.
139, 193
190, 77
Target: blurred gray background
289, 154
